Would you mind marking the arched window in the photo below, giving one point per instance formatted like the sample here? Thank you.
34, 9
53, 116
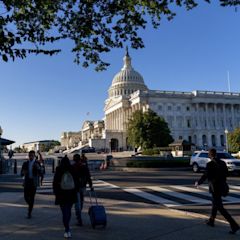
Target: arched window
204, 140
213, 140
222, 140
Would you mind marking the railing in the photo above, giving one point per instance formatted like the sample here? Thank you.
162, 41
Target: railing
196, 93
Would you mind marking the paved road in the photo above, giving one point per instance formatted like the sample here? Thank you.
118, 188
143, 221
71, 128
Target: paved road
171, 189
132, 199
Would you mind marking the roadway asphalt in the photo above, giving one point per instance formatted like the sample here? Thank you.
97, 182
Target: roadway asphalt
129, 215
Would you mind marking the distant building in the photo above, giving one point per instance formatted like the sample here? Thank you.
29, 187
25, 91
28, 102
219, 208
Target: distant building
71, 139
38, 145
200, 117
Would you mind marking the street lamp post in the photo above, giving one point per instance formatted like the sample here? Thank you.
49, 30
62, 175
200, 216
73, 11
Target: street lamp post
226, 133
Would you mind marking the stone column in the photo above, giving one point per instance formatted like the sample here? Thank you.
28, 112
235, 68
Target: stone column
224, 116
206, 116
113, 120
199, 139
217, 138
118, 120
209, 139
233, 116
215, 116
111, 117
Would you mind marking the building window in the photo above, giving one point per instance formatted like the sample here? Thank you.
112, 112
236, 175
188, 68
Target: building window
169, 108
188, 123
160, 108
204, 140
178, 108
188, 108
222, 140
190, 139
180, 138
213, 141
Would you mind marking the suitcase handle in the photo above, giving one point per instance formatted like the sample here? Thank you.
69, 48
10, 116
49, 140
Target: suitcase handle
95, 196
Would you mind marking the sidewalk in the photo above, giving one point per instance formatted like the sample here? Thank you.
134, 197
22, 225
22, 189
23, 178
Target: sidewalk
126, 221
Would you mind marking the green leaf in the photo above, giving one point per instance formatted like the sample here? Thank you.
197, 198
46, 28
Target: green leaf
4, 57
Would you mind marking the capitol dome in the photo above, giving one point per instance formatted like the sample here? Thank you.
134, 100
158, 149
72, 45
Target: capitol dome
127, 80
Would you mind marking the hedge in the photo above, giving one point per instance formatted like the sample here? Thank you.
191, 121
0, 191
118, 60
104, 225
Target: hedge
158, 163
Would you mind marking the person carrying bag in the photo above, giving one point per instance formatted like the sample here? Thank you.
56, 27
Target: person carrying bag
65, 187
216, 173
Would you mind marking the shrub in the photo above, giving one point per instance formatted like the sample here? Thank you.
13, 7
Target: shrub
180, 162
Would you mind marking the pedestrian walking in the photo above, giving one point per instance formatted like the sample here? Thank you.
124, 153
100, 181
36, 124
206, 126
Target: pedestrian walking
42, 168
10, 154
83, 175
65, 187
216, 174
30, 171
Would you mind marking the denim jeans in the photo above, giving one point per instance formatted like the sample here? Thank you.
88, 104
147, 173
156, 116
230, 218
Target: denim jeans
66, 214
79, 203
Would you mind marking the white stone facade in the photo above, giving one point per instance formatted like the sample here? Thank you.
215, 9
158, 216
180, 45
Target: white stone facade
200, 117
70, 139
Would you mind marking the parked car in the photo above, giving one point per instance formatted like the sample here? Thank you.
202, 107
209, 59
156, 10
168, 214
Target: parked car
199, 161
88, 150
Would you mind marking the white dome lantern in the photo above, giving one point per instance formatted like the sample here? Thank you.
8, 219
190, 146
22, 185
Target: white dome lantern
127, 80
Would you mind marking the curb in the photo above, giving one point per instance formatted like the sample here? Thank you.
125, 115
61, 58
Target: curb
127, 169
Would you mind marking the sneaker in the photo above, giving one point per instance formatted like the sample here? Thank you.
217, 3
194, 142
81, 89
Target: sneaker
69, 235
65, 235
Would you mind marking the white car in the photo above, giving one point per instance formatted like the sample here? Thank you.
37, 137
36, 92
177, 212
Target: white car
199, 161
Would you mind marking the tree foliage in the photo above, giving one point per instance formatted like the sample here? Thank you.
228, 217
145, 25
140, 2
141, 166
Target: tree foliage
234, 140
148, 130
94, 26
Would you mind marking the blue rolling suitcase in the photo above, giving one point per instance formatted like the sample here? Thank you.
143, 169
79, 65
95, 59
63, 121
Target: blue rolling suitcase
97, 212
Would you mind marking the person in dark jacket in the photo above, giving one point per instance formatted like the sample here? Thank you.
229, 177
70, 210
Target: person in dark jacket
30, 171
83, 175
216, 173
65, 191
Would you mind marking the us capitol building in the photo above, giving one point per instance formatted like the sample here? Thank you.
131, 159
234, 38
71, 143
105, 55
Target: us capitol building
200, 117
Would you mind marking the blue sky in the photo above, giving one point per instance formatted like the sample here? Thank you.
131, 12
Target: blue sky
42, 96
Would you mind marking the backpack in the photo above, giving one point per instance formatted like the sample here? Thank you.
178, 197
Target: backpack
67, 182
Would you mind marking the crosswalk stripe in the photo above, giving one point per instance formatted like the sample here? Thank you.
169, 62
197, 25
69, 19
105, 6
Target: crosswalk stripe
192, 189
234, 187
151, 197
178, 195
228, 198
99, 184
174, 193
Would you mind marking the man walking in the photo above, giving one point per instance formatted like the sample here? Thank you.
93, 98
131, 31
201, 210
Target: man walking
30, 171
83, 175
216, 173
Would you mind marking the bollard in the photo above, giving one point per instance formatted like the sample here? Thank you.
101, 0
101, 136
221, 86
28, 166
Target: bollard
15, 167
